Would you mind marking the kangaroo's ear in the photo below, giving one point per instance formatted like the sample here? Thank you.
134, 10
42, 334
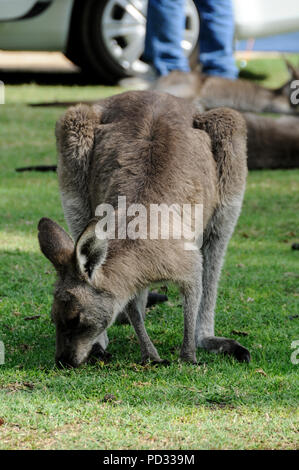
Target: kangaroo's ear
292, 70
91, 251
225, 128
227, 131
55, 243
75, 133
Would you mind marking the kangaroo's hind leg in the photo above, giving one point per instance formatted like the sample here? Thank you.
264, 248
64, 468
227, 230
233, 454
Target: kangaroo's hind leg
213, 251
227, 131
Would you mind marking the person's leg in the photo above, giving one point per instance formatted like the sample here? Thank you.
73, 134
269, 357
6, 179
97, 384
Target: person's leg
164, 33
216, 38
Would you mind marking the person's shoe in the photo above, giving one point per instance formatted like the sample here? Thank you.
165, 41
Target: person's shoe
139, 82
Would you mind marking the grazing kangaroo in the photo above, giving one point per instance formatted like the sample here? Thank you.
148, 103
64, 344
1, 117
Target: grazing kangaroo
152, 148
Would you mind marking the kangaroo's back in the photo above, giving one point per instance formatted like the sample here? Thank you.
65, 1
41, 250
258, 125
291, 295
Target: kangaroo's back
150, 147
148, 150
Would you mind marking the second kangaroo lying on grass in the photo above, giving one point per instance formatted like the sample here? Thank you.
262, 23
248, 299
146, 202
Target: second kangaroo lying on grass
214, 92
152, 149
242, 95
272, 142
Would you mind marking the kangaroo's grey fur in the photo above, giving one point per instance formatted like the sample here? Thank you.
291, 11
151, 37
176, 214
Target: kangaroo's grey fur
152, 148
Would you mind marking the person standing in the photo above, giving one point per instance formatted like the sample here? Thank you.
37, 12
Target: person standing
165, 30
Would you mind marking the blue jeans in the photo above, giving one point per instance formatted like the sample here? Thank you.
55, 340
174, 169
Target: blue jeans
165, 30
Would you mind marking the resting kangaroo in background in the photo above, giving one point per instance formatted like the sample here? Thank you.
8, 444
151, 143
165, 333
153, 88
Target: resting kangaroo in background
152, 148
214, 92
242, 95
272, 142
211, 92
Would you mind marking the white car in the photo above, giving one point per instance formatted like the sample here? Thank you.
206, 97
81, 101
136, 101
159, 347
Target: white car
107, 36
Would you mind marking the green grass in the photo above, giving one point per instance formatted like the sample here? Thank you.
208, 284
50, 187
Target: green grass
219, 404
271, 72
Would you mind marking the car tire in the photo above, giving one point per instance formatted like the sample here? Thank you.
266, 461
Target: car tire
87, 46
80, 48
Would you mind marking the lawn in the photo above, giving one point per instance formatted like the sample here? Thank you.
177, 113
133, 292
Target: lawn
219, 404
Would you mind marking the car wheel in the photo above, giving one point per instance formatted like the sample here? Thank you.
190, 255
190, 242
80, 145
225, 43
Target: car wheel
108, 36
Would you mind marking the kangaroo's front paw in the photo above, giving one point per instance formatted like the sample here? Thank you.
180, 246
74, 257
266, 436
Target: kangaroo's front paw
163, 362
189, 356
99, 354
154, 362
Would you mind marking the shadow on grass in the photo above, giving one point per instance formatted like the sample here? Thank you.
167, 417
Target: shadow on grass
250, 75
21, 77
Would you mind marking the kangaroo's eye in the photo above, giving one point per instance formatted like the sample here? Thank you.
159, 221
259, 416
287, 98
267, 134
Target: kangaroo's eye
73, 323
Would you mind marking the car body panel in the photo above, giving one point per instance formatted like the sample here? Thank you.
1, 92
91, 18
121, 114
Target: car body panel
44, 25
47, 31
12, 9
259, 18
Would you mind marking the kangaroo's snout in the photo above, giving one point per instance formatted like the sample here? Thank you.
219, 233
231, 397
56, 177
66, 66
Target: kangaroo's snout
63, 362
97, 353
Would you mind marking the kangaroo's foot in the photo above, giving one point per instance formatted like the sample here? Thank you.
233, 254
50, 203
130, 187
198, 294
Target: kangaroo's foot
98, 353
225, 346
